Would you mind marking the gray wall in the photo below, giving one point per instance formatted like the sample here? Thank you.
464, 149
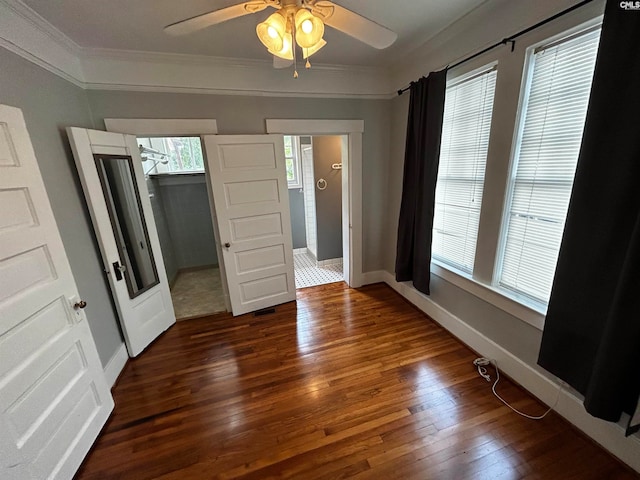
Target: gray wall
162, 226
327, 150
240, 114
296, 205
50, 104
514, 334
188, 217
247, 115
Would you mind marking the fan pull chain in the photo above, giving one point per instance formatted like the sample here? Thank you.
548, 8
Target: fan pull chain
293, 47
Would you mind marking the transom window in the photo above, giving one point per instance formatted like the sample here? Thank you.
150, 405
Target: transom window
172, 154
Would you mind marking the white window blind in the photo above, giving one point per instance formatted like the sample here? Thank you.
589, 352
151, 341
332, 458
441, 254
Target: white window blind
545, 162
463, 157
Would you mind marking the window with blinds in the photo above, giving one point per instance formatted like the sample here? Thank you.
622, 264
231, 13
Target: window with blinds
545, 161
463, 157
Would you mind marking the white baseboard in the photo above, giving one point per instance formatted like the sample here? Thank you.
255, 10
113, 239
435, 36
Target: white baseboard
609, 435
377, 276
115, 365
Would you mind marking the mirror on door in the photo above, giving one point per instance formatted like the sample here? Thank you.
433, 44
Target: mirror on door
127, 219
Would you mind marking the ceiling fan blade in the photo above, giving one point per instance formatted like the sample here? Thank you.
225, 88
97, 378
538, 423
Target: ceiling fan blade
281, 62
199, 22
354, 25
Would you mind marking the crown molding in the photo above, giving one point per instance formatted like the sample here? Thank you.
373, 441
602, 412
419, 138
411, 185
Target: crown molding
30, 36
27, 34
31, 16
106, 69
12, 47
472, 32
235, 92
199, 60
139, 71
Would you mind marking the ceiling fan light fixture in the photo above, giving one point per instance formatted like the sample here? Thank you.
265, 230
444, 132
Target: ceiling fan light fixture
272, 32
286, 52
307, 52
309, 28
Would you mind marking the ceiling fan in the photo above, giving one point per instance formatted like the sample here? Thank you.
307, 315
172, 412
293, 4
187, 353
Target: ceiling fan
296, 22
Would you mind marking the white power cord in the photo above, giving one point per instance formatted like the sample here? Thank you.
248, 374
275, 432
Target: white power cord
482, 364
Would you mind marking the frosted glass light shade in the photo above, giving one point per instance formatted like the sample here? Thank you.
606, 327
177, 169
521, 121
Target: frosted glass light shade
272, 31
309, 29
286, 51
307, 52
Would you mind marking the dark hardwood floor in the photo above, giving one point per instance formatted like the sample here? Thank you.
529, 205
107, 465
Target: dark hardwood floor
345, 384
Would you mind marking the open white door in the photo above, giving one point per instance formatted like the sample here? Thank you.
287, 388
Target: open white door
111, 174
54, 398
251, 199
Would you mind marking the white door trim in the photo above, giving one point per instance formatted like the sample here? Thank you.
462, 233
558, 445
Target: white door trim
314, 127
177, 126
162, 126
352, 189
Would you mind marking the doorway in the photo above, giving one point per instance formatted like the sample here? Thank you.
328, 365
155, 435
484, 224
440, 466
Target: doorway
351, 132
314, 165
174, 169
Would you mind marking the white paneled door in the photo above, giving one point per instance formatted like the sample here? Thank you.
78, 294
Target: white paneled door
114, 186
54, 398
251, 199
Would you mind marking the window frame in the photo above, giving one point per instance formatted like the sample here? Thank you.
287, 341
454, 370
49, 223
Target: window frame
296, 183
158, 168
525, 91
512, 78
486, 69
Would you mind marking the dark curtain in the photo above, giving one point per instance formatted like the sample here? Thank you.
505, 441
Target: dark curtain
422, 153
591, 336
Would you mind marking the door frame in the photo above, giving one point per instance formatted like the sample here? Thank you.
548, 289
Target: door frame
351, 188
175, 127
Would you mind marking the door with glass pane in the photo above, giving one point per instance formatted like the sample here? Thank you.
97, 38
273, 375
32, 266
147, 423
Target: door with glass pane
112, 178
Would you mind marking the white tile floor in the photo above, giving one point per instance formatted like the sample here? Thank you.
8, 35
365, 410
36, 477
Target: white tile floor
308, 275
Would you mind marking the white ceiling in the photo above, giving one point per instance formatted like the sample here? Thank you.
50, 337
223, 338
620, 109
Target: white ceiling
137, 25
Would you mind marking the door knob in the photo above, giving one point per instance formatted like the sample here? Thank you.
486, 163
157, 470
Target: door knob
227, 245
79, 304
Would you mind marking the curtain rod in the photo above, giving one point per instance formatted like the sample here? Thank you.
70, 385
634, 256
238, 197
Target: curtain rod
511, 39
